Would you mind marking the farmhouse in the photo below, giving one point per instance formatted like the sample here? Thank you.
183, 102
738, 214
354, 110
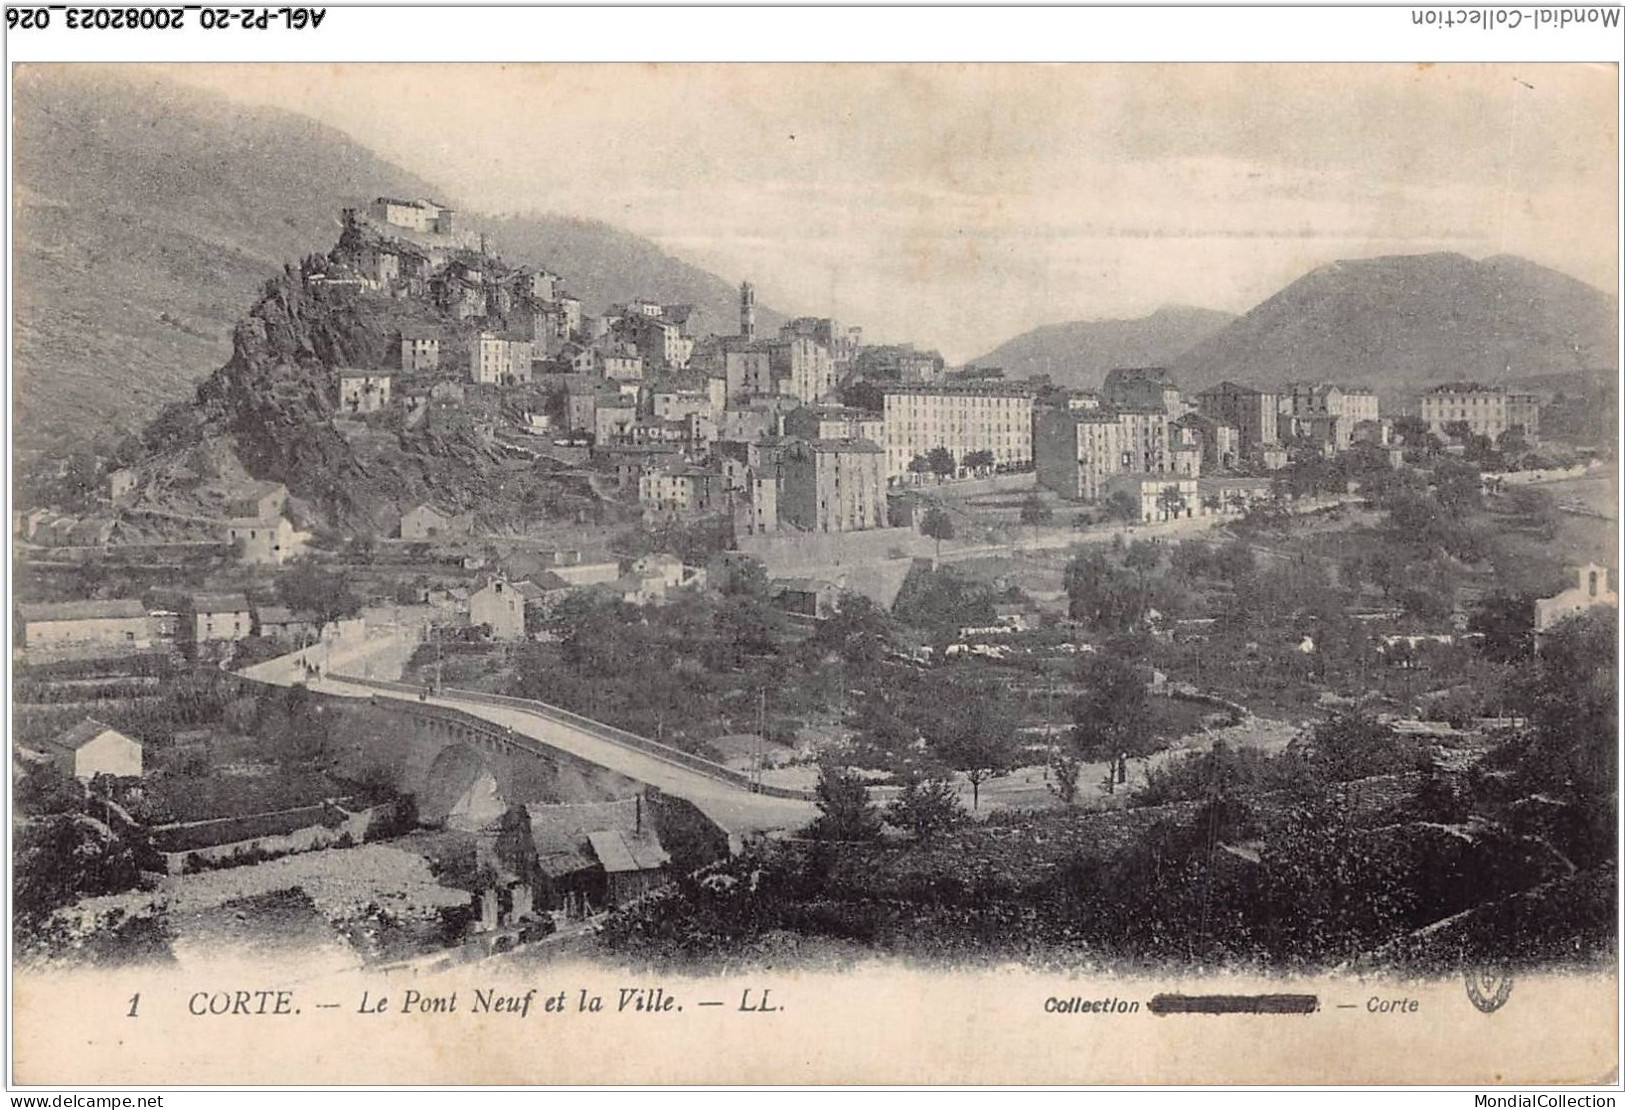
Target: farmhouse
91, 748
84, 629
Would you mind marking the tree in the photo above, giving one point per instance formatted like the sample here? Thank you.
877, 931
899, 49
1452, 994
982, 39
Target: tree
859, 631
845, 812
1112, 715
1412, 430
1351, 746
1122, 506
1513, 441
1508, 627
926, 807
941, 461
942, 600
65, 856
938, 525
1171, 502
1458, 487
975, 733
866, 395
1035, 511
310, 588
1458, 430
1065, 769
1570, 696
1142, 556
1191, 560
979, 460
746, 578
1235, 562
1101, 593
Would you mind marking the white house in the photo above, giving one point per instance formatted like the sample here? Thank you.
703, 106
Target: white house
91, 748
362, 390
501, 606
220, 618
272, 541
1590, 591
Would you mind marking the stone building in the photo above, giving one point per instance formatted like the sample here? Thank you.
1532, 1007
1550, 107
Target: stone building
992, 417
832, 485
81, 629
362, 391
1253, 413
1486, 410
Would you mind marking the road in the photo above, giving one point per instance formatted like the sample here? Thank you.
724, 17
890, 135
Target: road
734, 808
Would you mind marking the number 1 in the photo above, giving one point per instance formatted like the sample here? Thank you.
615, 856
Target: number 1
135, 1000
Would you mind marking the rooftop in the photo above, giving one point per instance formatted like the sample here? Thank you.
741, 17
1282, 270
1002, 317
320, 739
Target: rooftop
80, 735
80, 610
425, 203
621, 851
977, 388
1466, 387
1232, 389
851, 446
220, 603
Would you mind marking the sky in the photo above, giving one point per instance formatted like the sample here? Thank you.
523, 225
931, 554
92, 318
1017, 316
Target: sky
958, 205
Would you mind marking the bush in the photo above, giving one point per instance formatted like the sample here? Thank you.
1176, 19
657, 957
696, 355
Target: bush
926, 807
845, 812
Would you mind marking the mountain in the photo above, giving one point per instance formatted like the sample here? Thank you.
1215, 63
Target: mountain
1404, 322
148, 215
1077, 355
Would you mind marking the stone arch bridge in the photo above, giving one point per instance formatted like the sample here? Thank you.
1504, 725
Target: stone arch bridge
466, 756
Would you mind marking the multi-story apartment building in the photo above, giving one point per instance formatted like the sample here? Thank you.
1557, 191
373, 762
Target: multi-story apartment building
748, 370
832, 485
1143, 387
674, 490
836, 423
842, 344
1076, 451
982, 416
420, 350
800, 367
1144, 438
1253, 413
499, 360
660, 341
1218, 442
1486, 410
679, 398
1326, 413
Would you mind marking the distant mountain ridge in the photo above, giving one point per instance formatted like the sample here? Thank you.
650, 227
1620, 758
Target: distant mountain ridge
148, 214
1402, 323
1077, 355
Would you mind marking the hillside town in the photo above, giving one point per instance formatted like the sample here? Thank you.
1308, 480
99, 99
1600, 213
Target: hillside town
456, 617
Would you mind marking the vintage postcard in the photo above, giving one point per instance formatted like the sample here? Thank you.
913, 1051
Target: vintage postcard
795, 574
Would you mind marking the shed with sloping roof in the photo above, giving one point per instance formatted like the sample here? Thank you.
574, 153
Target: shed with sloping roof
91, 748
585, 858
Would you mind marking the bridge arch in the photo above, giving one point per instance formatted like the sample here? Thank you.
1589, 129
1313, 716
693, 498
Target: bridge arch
462, 788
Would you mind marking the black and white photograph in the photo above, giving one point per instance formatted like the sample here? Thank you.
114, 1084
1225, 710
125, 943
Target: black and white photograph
501, 551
